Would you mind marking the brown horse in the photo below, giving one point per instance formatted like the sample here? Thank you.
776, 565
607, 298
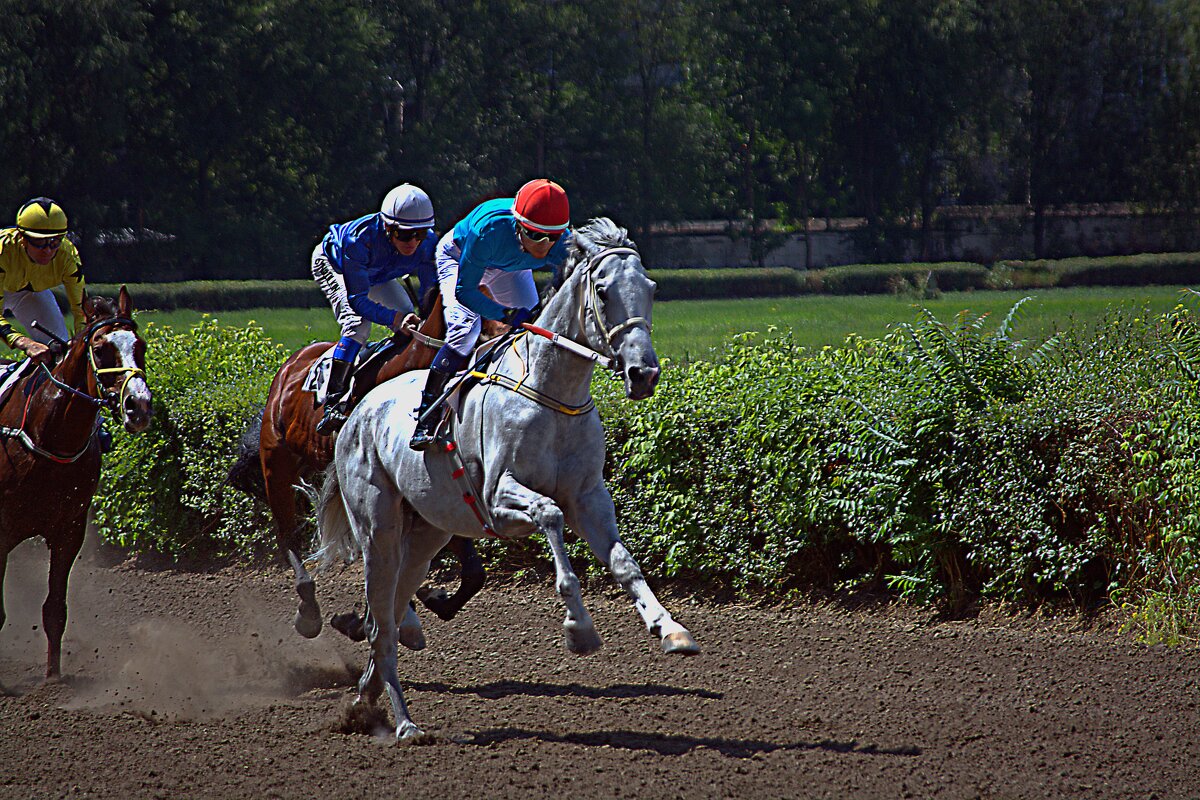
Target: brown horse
50, 451
290, 450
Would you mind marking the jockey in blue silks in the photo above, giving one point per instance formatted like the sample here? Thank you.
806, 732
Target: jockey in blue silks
497, 245
357, 264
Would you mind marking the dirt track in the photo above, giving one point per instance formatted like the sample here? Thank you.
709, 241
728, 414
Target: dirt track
184, 684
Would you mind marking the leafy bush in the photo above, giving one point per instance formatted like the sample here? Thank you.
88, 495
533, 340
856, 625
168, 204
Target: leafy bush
165, 489
946, 460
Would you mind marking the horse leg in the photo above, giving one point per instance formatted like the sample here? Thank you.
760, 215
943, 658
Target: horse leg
518, 505
381, 522
5, 549
280, 474
63, 551
596, 520
471, 578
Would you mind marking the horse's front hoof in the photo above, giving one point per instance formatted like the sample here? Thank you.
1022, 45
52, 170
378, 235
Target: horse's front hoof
680, 642
582, 641
350, 625
307, 625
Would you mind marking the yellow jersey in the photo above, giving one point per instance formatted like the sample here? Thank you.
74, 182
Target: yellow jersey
19, 272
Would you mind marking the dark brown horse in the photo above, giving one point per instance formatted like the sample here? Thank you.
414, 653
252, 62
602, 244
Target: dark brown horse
290, 450
50, 451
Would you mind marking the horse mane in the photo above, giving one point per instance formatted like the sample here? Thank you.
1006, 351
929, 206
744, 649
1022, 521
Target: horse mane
598, 234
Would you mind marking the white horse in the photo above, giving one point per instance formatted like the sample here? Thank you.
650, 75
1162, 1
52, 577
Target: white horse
532, 445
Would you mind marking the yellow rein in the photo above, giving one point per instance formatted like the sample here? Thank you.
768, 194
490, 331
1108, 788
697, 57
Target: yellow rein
520, 388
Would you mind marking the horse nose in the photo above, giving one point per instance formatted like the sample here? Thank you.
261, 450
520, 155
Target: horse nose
137, 413
642, 380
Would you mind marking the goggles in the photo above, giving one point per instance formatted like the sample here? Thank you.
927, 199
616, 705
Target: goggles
48, 243
401, 235
539, 236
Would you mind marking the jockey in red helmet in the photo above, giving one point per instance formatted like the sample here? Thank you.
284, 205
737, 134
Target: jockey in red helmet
497, 245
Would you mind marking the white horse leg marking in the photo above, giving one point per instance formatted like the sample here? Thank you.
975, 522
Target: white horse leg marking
596, 521
517, 505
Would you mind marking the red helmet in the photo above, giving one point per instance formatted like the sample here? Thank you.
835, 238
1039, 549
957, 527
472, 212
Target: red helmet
542, 205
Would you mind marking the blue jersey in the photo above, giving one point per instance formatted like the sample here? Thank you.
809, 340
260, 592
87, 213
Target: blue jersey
488, 239
361, 251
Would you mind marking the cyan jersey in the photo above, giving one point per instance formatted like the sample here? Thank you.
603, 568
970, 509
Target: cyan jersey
361, 251
488, 239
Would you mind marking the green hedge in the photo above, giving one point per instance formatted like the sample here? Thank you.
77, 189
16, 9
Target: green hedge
944, 462
698, 284
1162, 269
165, 489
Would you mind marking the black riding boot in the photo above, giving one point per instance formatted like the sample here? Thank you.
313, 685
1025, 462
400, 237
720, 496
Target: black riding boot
435, 384
336, 408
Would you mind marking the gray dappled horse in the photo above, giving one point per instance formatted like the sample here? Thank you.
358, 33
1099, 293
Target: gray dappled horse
535, 455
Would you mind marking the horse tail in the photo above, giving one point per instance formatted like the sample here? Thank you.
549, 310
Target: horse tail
333, 524
246, 473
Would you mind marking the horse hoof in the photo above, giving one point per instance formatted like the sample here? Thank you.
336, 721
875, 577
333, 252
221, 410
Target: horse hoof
406, 731
306, 625
412, 638
680, 642
350, 625
582, 641
437, 601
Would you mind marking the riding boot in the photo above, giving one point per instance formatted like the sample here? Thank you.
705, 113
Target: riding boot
337, 408
427, 421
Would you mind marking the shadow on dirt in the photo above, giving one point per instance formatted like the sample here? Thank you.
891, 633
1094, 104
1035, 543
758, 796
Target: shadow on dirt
668, 745
499, 689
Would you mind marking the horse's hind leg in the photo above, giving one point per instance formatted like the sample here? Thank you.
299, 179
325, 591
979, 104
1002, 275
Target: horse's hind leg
394, 565
281, 473
516, 504
595, 519
472, 577
63, 550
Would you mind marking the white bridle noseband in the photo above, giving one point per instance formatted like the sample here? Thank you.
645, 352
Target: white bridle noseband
591, 300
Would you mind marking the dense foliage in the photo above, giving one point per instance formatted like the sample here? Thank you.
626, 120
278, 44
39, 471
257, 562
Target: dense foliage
243, 129
166, 489
945, 462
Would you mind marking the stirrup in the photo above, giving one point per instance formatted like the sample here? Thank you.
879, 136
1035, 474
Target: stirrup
422, 440
332, 421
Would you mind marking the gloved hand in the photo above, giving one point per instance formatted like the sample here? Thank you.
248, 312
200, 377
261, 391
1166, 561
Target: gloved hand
405, 322
515, 316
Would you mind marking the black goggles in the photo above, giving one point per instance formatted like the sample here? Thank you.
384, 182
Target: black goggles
401, 235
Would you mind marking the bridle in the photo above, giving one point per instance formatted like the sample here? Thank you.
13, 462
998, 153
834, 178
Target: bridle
112, 399
589, 300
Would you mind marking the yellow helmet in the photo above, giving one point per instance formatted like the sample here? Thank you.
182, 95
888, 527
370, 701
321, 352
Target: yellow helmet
42, 218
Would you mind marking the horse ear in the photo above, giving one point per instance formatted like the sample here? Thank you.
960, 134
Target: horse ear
88, 305
124, 303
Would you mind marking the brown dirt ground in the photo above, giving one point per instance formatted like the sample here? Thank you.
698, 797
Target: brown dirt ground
189, 683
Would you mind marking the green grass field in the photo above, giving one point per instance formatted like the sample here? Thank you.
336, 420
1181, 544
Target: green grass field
690, 330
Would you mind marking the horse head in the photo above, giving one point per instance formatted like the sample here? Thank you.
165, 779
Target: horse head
615, 298
117, 356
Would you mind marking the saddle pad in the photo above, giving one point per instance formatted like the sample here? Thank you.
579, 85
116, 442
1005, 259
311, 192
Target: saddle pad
317, 379
11, 373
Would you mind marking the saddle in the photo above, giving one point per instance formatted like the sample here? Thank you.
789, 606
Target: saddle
372, 355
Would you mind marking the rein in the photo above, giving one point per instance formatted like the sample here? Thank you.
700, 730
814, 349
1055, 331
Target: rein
590, 300
110, 399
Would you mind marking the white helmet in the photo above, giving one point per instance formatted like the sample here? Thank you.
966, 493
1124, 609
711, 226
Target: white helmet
407, 207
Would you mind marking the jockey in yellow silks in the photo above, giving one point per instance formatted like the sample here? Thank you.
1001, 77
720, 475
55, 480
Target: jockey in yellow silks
35, 257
